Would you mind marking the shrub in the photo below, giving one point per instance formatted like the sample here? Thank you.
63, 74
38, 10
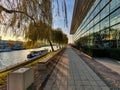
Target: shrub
113, 53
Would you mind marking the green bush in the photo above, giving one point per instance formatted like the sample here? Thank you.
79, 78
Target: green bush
94, 52
113, 53
75, 46
110, 52
99, 52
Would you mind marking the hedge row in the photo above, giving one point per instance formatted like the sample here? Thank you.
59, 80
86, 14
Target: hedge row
95, 52
113, 53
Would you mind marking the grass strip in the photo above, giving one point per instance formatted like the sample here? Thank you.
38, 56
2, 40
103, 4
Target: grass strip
3, 74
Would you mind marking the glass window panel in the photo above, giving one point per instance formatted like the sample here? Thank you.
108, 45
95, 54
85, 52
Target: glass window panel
115, 36
104, 35
103, 3
96, 28
104, 23
91, 17
104, 12
96, 11
91, 24
114, 4
115, 17
96, 2
91, 37
96, 20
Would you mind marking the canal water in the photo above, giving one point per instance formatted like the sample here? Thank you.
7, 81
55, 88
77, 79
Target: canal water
14, 57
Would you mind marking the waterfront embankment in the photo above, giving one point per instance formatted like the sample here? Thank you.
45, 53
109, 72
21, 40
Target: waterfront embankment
28, 63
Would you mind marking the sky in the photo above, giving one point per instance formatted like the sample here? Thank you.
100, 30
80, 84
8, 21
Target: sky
58, 20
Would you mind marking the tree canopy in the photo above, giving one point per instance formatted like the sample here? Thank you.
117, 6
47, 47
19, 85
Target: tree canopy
59, 37
29, 18
20, 13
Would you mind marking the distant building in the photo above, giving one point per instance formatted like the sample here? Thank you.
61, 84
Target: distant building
3, 41
0, 38
18, 45
13, 45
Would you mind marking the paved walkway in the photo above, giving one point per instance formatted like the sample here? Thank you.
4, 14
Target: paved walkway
110, 63
72, 73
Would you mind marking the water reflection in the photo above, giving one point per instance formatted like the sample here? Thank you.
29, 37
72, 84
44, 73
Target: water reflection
14, 57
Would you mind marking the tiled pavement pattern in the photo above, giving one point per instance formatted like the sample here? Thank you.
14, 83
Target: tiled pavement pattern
72, 73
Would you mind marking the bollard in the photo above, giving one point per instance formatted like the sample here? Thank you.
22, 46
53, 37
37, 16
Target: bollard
20, 79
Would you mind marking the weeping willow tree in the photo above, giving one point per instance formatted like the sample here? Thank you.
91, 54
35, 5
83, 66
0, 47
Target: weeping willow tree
59, 37
39, 31
29, 18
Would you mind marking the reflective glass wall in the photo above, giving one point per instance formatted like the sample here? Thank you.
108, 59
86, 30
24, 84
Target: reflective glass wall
101, 26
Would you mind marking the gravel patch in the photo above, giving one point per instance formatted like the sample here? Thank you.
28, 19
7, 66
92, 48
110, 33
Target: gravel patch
110, 77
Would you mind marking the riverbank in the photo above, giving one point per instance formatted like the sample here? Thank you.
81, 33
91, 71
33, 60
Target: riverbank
3, 73
18, 49
26, 62
9, 50
13, 57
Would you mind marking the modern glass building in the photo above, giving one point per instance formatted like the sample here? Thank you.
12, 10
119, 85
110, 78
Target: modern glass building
96, 23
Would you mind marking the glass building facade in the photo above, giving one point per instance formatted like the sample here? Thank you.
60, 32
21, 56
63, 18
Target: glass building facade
101, 26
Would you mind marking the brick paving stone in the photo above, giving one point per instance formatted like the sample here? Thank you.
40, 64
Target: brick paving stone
71, 87
88, 88
72, 73
96, 87
79, 87
55, 88
93, 83
63, 88
48, 88
105, 88
71, 83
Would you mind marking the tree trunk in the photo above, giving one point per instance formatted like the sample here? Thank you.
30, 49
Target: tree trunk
51, 45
